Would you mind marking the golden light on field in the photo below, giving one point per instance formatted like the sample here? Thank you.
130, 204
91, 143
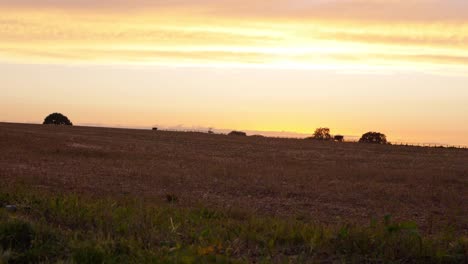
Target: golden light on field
260, 65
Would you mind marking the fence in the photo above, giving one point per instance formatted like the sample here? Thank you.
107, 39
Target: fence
422, 145
429, 145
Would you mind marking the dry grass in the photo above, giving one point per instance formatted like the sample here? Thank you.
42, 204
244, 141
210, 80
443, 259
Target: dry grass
323, 181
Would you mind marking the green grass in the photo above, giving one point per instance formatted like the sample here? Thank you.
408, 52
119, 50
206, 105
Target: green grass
50, 228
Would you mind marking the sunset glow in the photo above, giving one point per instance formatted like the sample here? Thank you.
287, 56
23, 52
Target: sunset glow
191, 38
208, 63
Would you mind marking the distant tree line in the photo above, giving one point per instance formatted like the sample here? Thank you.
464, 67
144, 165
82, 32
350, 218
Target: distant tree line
321, 133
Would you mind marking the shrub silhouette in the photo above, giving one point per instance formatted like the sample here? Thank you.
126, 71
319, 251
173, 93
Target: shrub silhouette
57, 119
237, 133
257, 136
322, 133
373, 137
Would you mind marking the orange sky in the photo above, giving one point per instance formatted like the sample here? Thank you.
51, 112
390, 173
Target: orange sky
381, 56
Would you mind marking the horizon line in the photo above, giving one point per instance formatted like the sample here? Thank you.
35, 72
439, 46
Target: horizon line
221, 131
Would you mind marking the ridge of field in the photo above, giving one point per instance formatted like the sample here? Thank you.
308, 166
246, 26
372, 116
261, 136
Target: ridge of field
327, 182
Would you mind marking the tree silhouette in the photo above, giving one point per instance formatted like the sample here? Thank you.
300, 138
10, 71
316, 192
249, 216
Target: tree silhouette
373, 137
322, 133
57, 119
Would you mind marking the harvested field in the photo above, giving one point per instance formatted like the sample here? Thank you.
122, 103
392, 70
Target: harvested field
322, 181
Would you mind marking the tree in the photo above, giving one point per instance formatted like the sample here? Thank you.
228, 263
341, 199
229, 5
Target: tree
57, 119
322, 133
373, 137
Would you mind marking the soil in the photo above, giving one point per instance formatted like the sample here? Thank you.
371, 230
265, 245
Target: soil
327, 182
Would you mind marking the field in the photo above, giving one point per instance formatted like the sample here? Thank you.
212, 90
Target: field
299, 188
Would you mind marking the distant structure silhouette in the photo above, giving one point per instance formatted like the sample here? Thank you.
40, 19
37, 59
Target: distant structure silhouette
374, 138
338, 138
237, 133
155, 129
57, 119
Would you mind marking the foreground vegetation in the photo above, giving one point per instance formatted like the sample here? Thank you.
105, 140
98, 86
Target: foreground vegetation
45, 227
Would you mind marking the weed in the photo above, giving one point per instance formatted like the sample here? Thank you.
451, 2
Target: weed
88, 255
171, 198
16, 235
85, 230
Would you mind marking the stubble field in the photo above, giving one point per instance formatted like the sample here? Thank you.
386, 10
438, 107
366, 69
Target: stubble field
325, 182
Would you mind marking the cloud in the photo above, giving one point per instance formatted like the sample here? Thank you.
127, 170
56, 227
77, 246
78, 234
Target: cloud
389, 10
169, 32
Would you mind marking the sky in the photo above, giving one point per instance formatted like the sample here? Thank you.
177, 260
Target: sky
393, 66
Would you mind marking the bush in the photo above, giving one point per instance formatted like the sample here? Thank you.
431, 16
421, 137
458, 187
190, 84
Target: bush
237, 133
374, 138
257, 136
57, 119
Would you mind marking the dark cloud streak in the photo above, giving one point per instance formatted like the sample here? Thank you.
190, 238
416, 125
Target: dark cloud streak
410, 10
